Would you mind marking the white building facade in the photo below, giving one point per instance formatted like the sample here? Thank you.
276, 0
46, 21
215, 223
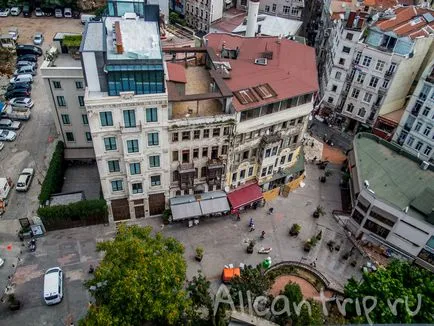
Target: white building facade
200, 14
292, 9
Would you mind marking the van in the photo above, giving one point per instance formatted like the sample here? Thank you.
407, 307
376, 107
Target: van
22, 79
9, 124
53, 286
86, 18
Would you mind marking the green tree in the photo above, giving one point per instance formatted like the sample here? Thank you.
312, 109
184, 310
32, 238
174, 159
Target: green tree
140, 279
399, 280
293, 294
310, 317
199, 292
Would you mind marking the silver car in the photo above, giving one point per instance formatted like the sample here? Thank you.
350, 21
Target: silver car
38, 38
7, 135
22, 102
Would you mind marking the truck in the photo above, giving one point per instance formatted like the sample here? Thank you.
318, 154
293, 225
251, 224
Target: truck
7, 111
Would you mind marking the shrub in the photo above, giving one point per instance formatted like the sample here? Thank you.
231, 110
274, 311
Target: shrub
53, 181
72, 41
84, 212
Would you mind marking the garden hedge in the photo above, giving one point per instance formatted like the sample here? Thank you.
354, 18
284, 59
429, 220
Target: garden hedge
53, 181
82, 213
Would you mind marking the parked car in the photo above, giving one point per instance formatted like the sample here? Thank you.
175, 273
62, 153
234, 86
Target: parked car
67, 13
20, 64
21, 79
28, 58
25, 179
16, 93
48, 11
2, 145
38, 38
85, 18
4, 12
23, 102
53, 285
27, 10
28, 49
26, 70
7, 135
75, 14
2, 262
8, 124
58, 13
15, 11
39, 12
22, 86
13, 32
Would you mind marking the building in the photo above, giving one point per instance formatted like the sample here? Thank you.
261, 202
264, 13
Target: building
201, 14
292, 9
126, 102
393, 199
415, 130
370, 69
177, 6
64, 82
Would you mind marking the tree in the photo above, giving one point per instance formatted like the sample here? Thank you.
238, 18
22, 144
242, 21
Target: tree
399, 280
199, 291
310, 317
141, 278
293, 294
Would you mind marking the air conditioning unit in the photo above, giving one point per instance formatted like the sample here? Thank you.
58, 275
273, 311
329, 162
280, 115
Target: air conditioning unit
424, 165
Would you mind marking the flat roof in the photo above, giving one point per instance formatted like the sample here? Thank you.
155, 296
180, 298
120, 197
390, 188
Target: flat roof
393, 174
272, 26
140, 39
93, 37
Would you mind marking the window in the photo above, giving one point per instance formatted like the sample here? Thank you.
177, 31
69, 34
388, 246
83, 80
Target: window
425, 111
410, 141
274, 152
366, 61
418, 126
175, 156
137, 188
186, 135
216, 132
226, 131
282, 160
338, 75
174, 136
346, 49
79, 84
155, 180
196, 134
135, 168
341, 61
350, 107
151, 115
360, 77
242, 174
117, 185
334, 88
268, 152
290, 157
294, 11
153, 139
380, 65
88, 136
185, 156
424, 92
154, 161
361, 112
355, 93
264, 172
195, 152
427, 150
61, 101
205, 152
245, 155
70, 136
349, 36
373, 82
224, 149
392, 67
270, 169
330, 99
56, 84
418, 146
358, 57
129, 118
81, 100
84, 119
234, 177
206, 133
284, 124
286, 10
133, 146
267, 8
113, 166
427, 130
110, 144
250, 171
106, 119
367, 97
65, 119
273, 9
385, 83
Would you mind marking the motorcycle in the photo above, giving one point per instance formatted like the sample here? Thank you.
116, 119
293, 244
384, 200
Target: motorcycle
264, 250
32, 245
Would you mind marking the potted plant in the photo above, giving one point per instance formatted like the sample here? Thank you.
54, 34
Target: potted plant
166, 216
319, 235
251, 246
307, 245
295, 229
319, 211
14, 304
199, 253
354, 263
323, 178
331, 245
345, 256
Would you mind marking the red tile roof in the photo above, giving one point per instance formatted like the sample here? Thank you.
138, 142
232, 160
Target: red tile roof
176, 72
291, 72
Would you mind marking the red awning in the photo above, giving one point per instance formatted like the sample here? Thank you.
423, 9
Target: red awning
245, 196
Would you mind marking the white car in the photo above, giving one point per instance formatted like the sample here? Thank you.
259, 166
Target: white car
15, 11
53, 286
38, 38
25, 179
58, 13
22, 102
2, 261
4, 12
67, 13
39, 12
7, 135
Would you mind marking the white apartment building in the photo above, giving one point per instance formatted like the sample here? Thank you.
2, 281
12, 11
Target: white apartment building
64, 82
126, 101
374, 72
292, 9
415, 131
200, 14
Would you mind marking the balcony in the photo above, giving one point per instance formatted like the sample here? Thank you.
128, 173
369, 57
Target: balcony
389, 73
215, 164
407, 127
382, 90
272, 138
186, 175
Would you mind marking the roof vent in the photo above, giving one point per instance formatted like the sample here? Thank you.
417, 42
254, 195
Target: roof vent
130, 16
261, 61
424, 165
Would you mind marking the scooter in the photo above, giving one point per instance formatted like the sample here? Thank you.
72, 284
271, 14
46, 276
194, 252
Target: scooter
264, 250
32, 245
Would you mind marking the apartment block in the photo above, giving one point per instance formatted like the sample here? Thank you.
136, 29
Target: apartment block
393, 195
415, 131
200, 14
292, 9
64, 82
371, 67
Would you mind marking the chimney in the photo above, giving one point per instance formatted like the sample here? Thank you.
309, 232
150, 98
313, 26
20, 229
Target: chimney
259, 30
119, 45
252, 18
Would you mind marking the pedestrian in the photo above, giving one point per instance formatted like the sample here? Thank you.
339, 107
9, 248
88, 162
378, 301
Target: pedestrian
251, 222
270, 210
238, 216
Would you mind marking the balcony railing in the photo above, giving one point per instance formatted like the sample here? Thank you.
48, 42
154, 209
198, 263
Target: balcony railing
389, 72
215, 164
186, 168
